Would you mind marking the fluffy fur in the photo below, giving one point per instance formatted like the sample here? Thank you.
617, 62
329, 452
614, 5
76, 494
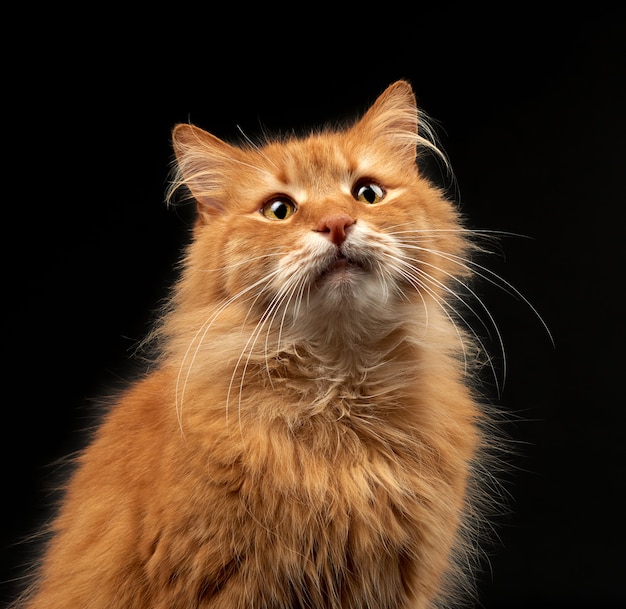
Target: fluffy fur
307, 438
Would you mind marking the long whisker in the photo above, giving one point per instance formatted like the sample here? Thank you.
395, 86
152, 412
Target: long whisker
444, 305
200, 335
465, 303
488, 234
401, 266
249, 343
268, 318
488, 275
477, 298
257, 147
283, 299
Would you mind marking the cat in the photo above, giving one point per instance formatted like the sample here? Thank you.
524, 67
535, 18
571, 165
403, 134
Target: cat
309, 435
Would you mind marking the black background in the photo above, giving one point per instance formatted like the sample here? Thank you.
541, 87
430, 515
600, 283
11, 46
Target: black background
530, 101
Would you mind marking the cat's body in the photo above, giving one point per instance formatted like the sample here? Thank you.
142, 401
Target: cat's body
307, 438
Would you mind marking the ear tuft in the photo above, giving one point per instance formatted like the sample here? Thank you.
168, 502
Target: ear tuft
201, 160
395, 110
394, 119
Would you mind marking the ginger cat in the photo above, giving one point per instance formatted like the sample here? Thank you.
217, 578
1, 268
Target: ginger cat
308, 436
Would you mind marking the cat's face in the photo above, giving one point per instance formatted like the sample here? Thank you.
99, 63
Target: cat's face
338, 225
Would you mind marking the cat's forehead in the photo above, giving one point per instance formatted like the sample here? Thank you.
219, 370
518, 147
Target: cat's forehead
312, 163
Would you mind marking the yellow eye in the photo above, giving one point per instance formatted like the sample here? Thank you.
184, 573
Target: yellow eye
278, 208
368, 192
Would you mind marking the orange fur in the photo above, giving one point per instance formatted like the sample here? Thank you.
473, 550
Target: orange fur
307, 438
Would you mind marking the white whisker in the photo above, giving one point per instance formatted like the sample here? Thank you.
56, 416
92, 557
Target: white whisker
419, 284
258, 148
268, 317
200, 335
479, 317
488, 275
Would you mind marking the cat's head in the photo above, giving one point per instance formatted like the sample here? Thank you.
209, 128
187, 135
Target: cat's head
338, 225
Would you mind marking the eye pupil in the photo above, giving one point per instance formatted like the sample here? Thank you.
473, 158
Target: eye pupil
278, 209
370, 192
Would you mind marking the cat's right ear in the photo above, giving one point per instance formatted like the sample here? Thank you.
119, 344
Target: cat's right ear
202, 161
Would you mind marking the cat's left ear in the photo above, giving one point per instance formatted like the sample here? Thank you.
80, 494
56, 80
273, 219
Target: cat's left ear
393, 120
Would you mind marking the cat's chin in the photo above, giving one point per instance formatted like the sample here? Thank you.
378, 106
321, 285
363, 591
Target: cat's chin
343, 278
347, 289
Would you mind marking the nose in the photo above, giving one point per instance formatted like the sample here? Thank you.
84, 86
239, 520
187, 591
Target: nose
335, 227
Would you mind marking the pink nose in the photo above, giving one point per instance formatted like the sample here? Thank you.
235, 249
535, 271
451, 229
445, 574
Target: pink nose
335, 227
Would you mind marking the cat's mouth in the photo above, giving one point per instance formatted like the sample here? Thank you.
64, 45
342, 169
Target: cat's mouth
342, 266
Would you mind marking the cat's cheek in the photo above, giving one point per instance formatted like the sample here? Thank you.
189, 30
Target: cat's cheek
243, 264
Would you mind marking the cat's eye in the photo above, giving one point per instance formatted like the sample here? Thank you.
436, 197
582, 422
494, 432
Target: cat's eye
278, 208
368, 191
